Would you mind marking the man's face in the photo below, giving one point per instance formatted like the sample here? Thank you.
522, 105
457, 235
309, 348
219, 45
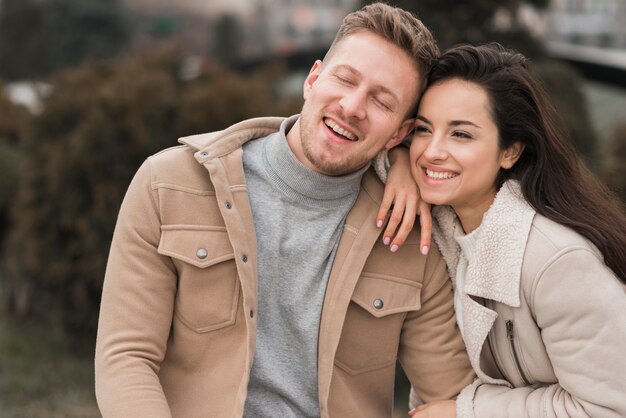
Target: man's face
355, 104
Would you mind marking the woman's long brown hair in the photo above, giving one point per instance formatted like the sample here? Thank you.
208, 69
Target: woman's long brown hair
553, 178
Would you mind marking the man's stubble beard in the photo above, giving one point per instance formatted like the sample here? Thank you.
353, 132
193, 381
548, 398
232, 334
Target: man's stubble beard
342, 167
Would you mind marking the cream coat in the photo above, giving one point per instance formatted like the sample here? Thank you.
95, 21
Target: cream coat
544, 318
177, 326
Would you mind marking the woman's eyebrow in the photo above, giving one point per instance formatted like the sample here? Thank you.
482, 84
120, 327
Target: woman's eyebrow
423, 119
463, 122
451, 123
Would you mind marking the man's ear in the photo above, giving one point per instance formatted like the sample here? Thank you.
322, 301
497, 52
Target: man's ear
314, 74
511, 155
401, 133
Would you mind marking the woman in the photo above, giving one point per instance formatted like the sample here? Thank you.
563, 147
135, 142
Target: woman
536, 249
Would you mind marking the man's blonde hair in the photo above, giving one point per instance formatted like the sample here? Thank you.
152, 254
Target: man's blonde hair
399, 27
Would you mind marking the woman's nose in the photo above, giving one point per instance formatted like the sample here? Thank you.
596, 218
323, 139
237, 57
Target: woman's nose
435, 150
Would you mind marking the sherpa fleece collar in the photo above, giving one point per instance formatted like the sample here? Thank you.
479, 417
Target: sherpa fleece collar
495, 272
501, 241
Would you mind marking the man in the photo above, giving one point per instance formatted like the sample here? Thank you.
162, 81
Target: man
247, 276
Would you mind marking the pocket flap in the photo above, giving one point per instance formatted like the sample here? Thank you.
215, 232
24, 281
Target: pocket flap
383, 295
198, 245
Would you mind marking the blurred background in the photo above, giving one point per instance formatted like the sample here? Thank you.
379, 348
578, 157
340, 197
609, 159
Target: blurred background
90, 88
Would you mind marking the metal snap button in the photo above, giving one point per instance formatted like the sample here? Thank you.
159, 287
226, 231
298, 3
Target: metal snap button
228, 205
244, 258
378, 304
204, 153
202, 253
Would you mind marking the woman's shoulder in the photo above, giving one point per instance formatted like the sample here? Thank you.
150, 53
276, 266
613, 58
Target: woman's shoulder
555, 249
554, 237
563, 268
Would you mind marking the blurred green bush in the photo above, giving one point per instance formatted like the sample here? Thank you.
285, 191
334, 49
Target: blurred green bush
614, 169
13, 122
565, 89
10, 157
98, 125
12, 125
38, 37
475, 21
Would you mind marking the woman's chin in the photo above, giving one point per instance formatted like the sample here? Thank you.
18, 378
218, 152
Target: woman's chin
434, 198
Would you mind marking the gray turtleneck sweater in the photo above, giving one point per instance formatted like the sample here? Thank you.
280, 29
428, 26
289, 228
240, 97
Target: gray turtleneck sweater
298, 216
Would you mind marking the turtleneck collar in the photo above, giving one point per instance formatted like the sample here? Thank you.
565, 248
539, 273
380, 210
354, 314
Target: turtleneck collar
467, 242
298, 181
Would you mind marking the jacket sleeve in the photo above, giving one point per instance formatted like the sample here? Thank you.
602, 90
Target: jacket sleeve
432, 352
136, 310
579, 305
382, 165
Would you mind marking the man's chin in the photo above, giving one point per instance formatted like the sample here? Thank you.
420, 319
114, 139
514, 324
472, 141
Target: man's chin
336, 168
327, 168
325, 164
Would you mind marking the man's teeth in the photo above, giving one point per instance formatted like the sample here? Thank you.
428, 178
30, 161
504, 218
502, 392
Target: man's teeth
332, 125
439, 174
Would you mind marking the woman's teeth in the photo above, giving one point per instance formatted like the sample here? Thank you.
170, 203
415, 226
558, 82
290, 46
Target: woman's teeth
337, 129
439, 175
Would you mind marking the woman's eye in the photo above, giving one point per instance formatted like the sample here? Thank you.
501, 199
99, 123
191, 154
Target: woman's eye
421, 129
462, 134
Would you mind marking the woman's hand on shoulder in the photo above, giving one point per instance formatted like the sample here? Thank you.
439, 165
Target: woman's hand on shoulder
402, 193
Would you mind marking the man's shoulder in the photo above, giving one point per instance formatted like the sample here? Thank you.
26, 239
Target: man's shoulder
372, 186
177, 166
406, 263
183, 163
172, 159
234, 136
372, 190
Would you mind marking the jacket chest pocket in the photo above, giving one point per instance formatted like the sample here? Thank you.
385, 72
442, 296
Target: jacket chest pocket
373, 324
208, 285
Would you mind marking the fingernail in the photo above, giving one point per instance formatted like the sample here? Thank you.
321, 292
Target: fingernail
425, 249
379, 223
386, 240
394, 248
411, 411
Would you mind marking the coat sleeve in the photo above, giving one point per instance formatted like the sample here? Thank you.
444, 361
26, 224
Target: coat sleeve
136, 310
579, 305
432, 352
382, 165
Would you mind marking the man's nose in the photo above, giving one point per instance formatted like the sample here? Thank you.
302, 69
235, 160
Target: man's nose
353, 104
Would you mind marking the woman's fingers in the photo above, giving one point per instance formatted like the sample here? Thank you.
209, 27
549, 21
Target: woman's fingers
388, 198
426, 227
408, 220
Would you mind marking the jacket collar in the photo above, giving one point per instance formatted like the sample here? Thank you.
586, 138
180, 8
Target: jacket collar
219, 143
495, 271
501, 242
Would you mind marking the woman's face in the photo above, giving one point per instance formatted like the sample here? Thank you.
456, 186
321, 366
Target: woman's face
455, 157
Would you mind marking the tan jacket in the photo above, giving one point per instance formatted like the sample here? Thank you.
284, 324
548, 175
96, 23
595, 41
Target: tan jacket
178, 318
543, 319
